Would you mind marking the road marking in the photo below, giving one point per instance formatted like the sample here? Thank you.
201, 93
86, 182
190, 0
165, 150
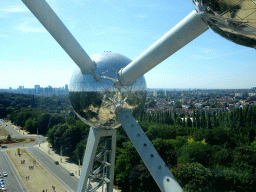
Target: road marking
49, 170
14, 171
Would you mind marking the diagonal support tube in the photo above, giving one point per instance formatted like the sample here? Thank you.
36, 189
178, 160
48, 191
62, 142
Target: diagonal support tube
44, 13
156, 166
184, 32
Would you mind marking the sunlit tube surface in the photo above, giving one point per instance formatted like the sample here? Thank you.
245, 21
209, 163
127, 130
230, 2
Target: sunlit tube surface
60, 33
184, 32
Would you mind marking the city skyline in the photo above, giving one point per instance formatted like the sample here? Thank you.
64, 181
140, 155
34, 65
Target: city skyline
30, 56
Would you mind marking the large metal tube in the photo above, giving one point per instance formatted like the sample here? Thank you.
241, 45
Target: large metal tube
44, 13
184, 32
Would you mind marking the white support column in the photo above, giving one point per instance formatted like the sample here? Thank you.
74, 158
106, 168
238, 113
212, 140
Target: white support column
156, 166
90, 152
180, 35
48, 18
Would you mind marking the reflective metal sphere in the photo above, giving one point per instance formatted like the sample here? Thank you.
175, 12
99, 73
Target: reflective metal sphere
95, 102
234, 20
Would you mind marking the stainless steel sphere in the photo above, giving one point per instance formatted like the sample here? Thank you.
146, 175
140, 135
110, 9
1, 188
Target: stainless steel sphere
95, 102
234, 20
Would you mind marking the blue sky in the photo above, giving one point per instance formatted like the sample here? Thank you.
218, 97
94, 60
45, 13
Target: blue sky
30, 56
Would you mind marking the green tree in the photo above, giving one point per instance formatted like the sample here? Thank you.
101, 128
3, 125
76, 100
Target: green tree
178, 104
126, 159
152, 104
29, 126
189, 122
194, 177
209, 124
203, 120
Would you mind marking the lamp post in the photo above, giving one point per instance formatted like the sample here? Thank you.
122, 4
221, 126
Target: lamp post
79, 167
61, 155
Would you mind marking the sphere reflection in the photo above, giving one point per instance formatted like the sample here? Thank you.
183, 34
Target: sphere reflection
234, 20
95, 102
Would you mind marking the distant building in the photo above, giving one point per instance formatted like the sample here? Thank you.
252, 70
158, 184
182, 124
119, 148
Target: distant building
37, 88
66, 88
238, 94
154, 93
252, 94
198, 105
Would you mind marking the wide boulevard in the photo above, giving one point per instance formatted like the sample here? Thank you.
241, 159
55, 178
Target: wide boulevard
14, 181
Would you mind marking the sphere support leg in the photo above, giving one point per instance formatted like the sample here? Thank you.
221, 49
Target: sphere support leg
99, 161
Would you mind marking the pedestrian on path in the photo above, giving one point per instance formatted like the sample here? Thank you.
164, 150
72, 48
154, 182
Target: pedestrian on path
26, 178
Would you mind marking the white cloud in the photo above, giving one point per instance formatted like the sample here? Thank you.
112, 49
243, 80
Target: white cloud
30, 25
141, 15
114, 6
2, 35
14, 9
213, 54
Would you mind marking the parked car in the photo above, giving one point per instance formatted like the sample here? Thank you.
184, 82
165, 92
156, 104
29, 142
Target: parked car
1, 177
4, 146
1, 180
56, 162
4, 189
2, 184
71, 174
4, 174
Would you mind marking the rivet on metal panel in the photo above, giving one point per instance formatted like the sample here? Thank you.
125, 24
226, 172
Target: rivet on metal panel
151, 155
145, 144
168, 180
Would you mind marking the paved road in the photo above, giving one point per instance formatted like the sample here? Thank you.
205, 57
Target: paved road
15, 134
58, 171
10, 130
13, 181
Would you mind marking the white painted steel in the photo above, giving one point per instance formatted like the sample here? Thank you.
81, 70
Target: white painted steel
156, 166
184, 32
90, 152
44, 13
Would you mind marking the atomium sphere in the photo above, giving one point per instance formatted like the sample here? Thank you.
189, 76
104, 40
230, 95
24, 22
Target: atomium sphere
234, 20
95, 101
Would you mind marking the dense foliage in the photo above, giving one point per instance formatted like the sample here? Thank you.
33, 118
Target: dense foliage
205, 151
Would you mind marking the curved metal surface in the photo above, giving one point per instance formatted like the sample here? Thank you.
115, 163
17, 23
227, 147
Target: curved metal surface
95, 102
234, 20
